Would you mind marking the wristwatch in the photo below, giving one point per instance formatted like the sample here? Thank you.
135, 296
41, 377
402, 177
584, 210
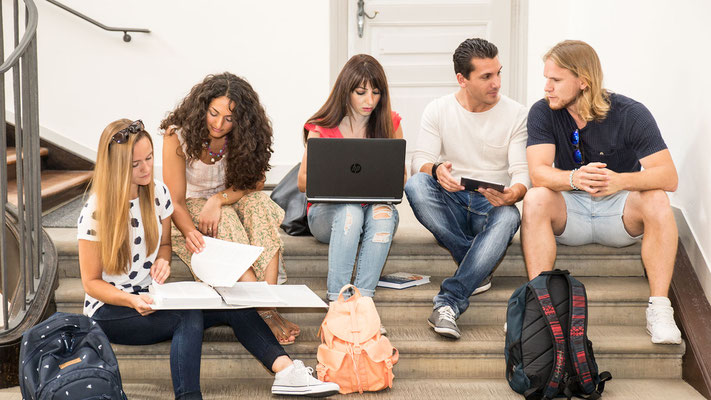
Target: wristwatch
434, 170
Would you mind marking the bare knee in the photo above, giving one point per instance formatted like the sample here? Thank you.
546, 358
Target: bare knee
382, 211
655, 205
538, 202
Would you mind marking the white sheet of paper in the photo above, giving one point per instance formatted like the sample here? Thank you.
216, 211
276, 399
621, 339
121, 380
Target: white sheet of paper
184, 295
251, 293
222, 263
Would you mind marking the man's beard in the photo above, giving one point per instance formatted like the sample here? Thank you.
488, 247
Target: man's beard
566, 105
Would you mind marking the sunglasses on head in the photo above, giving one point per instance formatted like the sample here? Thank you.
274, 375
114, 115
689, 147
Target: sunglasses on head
577, 153
122, 135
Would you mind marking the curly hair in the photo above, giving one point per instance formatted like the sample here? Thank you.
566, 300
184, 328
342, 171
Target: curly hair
249, 145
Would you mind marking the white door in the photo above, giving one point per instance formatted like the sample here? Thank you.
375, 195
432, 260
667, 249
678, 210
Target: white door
414, 41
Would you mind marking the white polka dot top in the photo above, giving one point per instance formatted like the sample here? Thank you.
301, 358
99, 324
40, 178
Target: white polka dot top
138, 277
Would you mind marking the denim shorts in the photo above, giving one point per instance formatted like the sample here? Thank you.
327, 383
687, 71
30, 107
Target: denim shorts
595, 220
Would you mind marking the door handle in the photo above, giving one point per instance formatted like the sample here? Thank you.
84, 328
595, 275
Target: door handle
361, 17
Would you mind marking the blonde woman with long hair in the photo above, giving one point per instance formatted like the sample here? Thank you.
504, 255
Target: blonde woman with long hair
124, 245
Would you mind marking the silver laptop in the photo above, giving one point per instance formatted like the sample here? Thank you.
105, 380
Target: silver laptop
355, 170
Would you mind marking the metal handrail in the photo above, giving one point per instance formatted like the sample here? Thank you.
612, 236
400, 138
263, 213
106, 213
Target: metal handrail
126, 36
28, 266
30, 32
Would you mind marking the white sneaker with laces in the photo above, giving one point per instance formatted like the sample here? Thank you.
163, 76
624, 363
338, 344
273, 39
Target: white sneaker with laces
297, 380
660, 322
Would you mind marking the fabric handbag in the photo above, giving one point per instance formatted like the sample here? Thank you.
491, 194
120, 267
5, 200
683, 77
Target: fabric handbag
352, 352
68, 357
293, 201
548, 353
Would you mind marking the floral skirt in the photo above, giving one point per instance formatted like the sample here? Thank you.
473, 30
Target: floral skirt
254, 220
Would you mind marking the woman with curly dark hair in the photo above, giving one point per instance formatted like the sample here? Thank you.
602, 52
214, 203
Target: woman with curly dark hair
216, 149
358, 107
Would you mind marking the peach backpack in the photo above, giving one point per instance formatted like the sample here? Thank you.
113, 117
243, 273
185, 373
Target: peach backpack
352, 352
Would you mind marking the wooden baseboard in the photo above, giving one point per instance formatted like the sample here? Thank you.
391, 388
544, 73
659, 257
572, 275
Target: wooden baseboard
693, 314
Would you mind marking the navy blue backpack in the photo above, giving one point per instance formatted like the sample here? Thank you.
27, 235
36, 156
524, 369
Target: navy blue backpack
68, 357
548, 353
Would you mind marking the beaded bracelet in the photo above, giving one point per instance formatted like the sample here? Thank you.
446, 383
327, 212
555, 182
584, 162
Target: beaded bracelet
572, 185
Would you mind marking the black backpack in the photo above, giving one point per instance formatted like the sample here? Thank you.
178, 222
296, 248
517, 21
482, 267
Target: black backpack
68, 357
548, 353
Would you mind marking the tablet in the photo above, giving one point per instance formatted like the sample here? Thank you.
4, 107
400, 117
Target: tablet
474, 185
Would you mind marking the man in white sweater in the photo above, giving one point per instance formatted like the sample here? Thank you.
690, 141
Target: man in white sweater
475, 133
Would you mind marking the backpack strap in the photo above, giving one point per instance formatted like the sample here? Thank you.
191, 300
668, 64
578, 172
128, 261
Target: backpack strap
540, 289
578, 325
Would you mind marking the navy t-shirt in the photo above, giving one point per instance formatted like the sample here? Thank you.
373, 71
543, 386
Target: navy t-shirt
627, 134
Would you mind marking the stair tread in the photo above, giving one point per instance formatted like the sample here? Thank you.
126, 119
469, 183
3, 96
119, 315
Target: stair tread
404, 245
403, 388
421, 341
599, 289
12, 156
53, 182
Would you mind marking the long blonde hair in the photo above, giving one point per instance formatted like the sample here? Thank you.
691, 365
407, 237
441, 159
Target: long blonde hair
581, 59
111, 185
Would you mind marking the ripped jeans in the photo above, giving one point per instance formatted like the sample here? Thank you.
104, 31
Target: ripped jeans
344, 227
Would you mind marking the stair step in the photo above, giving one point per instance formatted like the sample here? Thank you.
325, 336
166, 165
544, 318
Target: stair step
12, 156
12, 160
618, 301
58, 186
411, 389
306, 257
625, 351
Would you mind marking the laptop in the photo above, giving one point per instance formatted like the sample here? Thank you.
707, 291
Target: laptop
355, 170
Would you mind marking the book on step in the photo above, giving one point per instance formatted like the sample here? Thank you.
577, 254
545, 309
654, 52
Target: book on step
218, 267
403, 280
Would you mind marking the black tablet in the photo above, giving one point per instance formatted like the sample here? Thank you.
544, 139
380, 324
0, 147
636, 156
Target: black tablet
474, 185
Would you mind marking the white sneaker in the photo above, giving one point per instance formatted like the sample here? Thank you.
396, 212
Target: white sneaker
661, 325
298, 380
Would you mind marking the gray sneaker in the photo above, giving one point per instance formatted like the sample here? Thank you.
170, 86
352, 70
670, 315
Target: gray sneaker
443, 321
483, 286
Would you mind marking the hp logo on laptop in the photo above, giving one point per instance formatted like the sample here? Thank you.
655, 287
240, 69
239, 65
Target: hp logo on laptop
355, 168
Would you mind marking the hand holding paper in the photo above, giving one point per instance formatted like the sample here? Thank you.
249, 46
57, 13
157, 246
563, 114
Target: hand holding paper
222, 263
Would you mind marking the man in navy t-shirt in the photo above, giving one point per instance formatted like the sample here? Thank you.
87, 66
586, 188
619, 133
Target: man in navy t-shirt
586, 150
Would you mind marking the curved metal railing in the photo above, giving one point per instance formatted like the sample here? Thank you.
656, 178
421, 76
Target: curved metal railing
126, 36
28, 260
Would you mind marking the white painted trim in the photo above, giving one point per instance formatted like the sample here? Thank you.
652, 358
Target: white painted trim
519, 50
339, 37
699, 261
59, 140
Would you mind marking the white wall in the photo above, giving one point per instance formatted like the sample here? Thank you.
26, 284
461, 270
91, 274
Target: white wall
89, 77
657, 52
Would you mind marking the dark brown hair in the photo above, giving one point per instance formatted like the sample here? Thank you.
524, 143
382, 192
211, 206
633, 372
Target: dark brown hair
249, 145
358, 71
472, 48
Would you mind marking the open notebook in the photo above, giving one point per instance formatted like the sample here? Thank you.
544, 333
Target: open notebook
219, 266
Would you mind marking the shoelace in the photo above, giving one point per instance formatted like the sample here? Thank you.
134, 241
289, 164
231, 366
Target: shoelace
446, 313
298, 365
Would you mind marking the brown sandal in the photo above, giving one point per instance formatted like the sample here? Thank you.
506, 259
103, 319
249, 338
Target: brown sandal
271, 318
288, 325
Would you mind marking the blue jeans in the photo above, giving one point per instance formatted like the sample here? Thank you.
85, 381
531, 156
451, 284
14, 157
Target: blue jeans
475, 233
344, 227
251, 330
124, 325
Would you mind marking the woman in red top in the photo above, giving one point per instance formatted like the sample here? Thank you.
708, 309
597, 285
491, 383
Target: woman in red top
358, 107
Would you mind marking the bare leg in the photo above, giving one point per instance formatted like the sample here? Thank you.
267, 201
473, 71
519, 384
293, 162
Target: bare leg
651, 213
544, 215
279, 323
280, 363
